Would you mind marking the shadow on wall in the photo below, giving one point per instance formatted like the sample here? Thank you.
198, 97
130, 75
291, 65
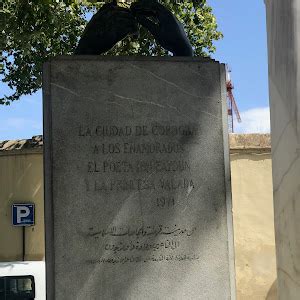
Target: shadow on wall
272, 293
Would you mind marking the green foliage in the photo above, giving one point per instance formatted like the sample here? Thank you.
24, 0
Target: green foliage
32, 31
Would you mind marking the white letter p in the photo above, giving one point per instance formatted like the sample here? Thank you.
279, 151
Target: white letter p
22, 212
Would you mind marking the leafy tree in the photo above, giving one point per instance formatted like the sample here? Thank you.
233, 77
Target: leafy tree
32, 31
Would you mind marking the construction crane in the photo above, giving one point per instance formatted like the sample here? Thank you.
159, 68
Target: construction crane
231, 104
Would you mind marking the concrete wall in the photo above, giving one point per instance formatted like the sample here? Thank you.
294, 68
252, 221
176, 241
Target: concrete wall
21, 180
283, 26
253, 219
253, 225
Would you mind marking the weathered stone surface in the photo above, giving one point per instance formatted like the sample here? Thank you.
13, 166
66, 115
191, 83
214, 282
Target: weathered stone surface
250, 142
35, 142
283, 27
137, 184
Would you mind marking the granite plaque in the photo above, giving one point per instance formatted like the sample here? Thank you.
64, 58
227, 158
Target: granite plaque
137, 184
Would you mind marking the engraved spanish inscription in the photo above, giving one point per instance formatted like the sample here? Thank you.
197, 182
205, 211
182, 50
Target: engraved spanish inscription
122, 161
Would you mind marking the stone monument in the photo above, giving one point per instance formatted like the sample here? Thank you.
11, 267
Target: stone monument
137, 181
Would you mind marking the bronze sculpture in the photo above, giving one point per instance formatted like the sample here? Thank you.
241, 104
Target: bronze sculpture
112, 23
107, 27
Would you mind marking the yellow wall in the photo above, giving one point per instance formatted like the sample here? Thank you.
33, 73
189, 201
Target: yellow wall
21, 180
253, 222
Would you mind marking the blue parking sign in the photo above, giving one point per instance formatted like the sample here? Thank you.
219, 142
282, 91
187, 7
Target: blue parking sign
23, 214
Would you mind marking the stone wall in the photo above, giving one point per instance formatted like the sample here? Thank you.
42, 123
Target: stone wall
253, 219
21, 181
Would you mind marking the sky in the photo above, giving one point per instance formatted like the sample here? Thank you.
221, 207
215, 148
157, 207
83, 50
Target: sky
243, 48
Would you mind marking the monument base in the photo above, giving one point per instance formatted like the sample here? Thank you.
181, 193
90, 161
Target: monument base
137, 179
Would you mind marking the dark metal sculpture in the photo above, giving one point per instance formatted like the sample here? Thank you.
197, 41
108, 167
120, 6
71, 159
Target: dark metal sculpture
163, 25
112, 23
108, 26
